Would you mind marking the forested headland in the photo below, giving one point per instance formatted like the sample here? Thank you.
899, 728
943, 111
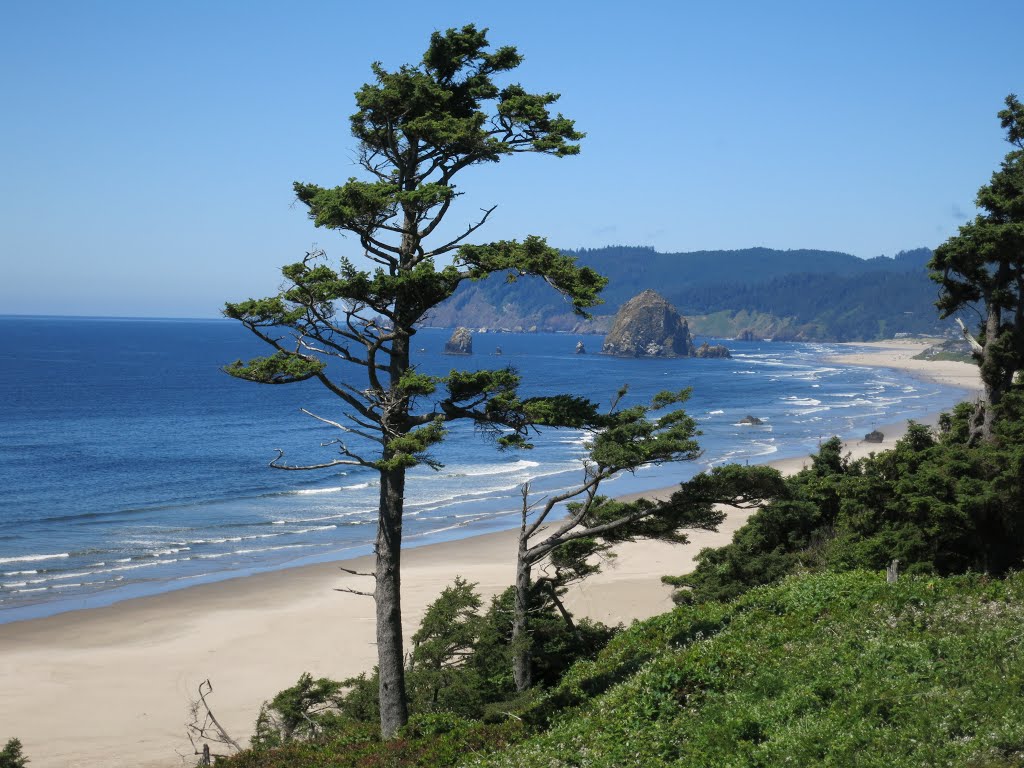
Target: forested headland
806, 295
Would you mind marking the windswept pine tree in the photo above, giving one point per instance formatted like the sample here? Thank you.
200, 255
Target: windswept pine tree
417, 128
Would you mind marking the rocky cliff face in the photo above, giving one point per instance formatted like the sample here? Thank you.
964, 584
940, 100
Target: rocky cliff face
648, 326
460, 343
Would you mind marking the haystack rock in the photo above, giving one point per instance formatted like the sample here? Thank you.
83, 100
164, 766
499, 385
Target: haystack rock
708, 350
461, 343
648, 326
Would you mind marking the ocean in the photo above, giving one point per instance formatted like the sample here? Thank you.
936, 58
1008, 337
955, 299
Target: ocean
132, 465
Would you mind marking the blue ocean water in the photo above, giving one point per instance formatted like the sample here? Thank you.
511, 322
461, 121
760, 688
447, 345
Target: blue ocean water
132, 464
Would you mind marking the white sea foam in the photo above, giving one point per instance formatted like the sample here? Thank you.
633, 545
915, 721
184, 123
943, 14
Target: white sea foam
268, 549
60, 577
714, 413
19, 573
135, 566
480, 470
33, 558
169, 551
318, 491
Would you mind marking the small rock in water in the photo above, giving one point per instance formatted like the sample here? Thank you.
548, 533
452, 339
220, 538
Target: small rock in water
752, 420
461, 343
707, 350
580, 349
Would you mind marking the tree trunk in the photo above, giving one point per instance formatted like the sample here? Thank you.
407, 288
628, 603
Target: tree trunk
992, 375
388, 595
521, 643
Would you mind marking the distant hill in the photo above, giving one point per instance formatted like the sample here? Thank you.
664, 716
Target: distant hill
793, 294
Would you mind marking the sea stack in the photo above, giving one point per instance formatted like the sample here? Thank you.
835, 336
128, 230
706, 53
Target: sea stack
709, 350
580, 349
648, 326
461, 343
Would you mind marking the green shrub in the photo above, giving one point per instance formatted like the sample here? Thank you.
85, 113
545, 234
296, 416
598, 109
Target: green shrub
11, 756
934, 502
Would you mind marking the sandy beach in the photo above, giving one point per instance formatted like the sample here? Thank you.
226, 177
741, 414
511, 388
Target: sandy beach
110, 686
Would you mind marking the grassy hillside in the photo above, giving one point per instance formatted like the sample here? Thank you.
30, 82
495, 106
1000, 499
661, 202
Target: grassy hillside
819, 670
822, 670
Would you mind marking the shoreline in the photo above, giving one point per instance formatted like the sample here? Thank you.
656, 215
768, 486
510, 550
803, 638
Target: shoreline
114, 681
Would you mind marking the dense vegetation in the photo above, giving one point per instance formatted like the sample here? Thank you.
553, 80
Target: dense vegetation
828, 669
934, 502
782, 294
835, 669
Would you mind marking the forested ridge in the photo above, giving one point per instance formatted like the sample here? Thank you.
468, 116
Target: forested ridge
793, 294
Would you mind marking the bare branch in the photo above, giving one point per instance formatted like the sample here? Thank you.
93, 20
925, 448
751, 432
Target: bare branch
353, 591
357, 573
355, 462
452, 244
975, 346
343, 428
204, 726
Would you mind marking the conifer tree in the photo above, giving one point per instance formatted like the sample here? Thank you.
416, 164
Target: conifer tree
983, 267
417, 128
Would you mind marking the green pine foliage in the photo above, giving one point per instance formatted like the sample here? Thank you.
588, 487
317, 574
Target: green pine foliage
11, 755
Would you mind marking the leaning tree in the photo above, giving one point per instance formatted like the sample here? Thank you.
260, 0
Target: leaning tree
417, 128
556, 551
982, 268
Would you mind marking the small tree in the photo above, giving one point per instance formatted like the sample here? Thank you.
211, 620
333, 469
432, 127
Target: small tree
627, 440
11, 756
984, 265
417, 128
441, 646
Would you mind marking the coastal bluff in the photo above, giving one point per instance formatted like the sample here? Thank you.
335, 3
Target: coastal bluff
649, 326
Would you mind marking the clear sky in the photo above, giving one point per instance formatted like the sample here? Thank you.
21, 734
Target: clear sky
147, 149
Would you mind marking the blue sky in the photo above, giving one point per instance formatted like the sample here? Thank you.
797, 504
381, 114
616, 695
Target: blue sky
148, 148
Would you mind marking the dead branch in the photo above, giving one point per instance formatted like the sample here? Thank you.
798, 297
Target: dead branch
970, 337
204, 727
353, 591
357, 573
